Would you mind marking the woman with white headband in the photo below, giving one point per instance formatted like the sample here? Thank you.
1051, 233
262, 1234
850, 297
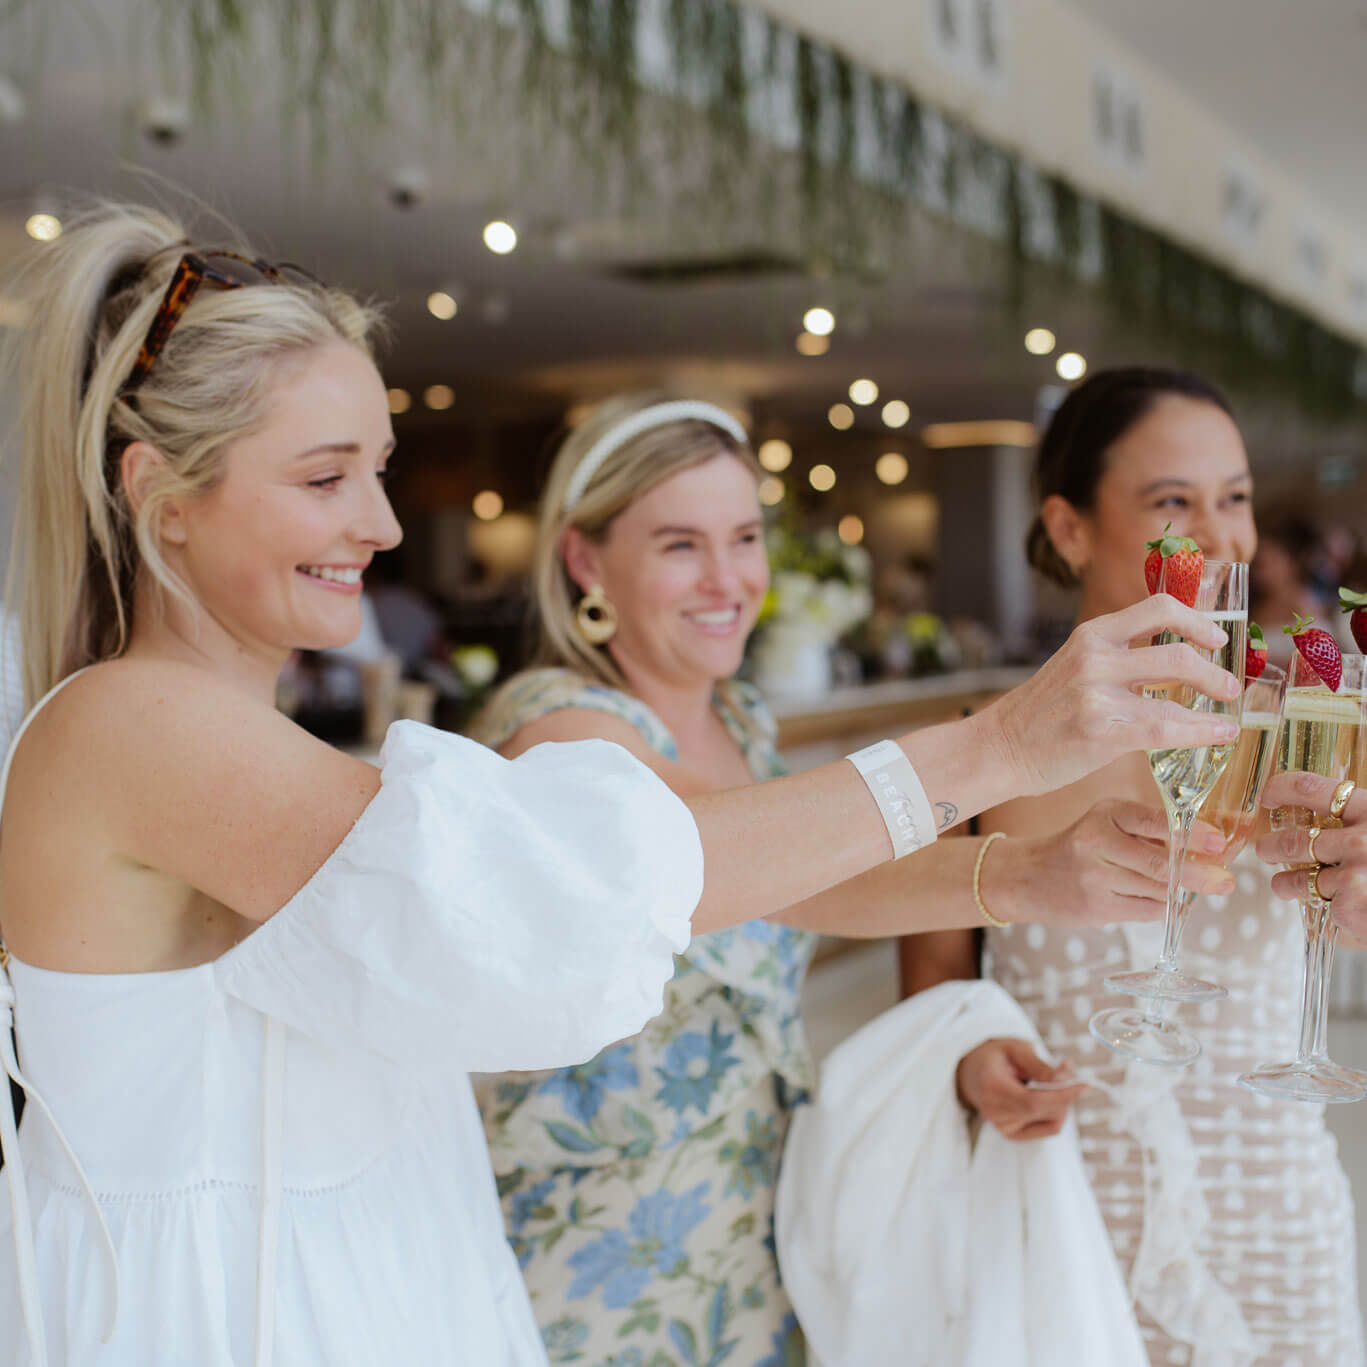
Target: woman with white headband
638, 1187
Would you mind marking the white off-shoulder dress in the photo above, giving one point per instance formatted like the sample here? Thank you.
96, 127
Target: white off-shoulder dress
276, 1156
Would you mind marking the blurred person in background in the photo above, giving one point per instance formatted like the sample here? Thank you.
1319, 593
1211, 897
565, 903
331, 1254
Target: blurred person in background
1283, 586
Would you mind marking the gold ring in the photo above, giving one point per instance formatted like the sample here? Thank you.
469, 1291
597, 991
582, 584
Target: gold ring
1314, 880
1315, 832
1342, 795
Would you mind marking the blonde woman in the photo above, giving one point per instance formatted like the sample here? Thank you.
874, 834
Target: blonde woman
638, 1187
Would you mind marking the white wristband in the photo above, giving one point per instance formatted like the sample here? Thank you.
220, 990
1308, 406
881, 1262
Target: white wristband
901, 798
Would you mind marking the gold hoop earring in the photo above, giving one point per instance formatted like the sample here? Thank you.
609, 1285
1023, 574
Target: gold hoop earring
596, 617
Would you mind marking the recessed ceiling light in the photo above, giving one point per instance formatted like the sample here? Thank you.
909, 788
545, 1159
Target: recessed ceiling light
442, 305
500, 237
487, 505
820, 321
891, 467
775, 455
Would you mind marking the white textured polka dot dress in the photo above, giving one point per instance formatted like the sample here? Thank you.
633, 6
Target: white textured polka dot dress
276, 1156
1230, 1214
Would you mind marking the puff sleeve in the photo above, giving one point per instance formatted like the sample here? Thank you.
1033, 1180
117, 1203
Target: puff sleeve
483, 913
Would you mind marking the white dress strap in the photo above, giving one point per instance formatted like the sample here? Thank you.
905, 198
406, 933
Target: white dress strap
26, 723
25, 1255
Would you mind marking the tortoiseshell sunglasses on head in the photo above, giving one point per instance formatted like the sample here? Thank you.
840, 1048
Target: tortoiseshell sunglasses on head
224, 270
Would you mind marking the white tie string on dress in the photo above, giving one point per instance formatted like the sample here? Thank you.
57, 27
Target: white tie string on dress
272, 1131
272, 1143
25, 1255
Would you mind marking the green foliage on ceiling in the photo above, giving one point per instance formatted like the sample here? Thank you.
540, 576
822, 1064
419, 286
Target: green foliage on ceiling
856, 138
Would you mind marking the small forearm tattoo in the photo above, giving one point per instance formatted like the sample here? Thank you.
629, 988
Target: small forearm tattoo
949, 814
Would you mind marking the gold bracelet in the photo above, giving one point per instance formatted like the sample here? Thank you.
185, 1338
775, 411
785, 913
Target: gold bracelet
978, 882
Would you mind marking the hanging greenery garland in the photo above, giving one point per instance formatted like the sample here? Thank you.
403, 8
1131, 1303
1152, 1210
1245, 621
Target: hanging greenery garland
588, 68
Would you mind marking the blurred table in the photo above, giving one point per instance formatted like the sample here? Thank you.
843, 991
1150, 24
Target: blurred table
812, 732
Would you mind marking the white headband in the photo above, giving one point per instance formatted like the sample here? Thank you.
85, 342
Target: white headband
658, 415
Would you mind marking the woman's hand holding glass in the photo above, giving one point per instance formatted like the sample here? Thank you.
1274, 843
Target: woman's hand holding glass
1085, 707
1186, 776
1110, 865
1319, 836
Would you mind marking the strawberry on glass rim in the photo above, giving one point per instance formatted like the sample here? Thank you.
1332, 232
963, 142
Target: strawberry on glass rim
1319, 650
1183, 561
1355, 604
1255, 654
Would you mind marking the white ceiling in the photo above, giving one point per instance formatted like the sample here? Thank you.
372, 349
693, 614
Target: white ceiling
1287, 74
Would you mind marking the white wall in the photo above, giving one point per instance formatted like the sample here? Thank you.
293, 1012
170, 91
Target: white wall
1042, 101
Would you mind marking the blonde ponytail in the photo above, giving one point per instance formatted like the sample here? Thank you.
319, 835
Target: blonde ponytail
90, 297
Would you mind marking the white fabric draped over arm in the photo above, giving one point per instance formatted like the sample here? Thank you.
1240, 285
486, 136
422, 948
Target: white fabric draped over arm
486, 914
900, 1241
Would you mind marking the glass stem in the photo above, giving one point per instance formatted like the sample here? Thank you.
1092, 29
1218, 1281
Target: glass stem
1313, 914
1329, 938
1179, 903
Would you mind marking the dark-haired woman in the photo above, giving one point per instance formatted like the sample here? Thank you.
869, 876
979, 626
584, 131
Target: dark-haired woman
1230, 1215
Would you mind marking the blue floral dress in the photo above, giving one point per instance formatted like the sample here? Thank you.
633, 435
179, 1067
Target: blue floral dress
638, 1188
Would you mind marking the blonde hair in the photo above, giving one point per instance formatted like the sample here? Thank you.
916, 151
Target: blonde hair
634, 468
91, 295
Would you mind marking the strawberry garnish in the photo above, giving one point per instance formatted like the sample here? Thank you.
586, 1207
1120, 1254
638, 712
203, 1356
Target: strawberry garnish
1319, 650
1255, 653
1355, 604
1183, 561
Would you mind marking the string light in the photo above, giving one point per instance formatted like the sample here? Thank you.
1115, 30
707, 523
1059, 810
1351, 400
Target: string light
850, 529
821, 478
771, 491
841, 416
896, 413
809, 344
864, 392
1070, 366
400, 401
438, 397
1039, 341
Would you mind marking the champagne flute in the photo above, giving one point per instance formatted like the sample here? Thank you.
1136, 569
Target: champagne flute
1185, 779
1232, 807
1322, 733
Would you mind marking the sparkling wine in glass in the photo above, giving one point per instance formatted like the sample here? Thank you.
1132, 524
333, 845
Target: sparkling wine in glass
1185, 779
1232, 807
1322, 733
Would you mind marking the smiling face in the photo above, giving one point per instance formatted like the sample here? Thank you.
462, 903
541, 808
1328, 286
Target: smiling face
274, 552
1183, 462
685, 567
